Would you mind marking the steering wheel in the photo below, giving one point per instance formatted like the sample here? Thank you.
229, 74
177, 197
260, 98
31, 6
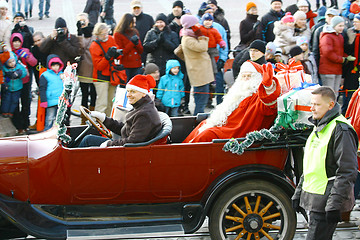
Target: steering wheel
97, 123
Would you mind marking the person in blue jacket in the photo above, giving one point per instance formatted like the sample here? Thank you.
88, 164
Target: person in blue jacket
51, 88
14, 72
171, 88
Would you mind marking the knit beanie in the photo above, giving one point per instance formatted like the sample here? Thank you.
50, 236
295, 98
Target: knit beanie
250, 5
212, 2
162, 17
276, 1
60, 23
178, 4
321, 12
288, 18
299, 15
357, 16
151, 68
336, 20
259, 45
270, 48
302, 3
187, 21
19, 14
141, 83
295, 51
4, 4
301, 40
207, 16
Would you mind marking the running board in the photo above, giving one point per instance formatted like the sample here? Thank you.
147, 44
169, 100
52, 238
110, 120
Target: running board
126, 232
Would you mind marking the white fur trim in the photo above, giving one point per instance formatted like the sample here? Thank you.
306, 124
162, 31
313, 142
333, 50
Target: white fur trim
130, 86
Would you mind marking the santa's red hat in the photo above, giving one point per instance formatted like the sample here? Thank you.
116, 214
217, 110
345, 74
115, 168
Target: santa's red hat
141, 83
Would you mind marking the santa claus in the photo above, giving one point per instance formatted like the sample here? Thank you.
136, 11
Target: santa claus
249, 105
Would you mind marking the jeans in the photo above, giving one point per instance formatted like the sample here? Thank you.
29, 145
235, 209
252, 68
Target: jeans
92, 140
21, 118
131, 72
10, 100
50, 116
172, 111
28, 5
14, 6
201, 96
41, 7
219, 78
357, 186
346, 99
88, 89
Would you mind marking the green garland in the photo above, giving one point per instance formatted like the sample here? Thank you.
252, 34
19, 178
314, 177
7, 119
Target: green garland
69, 78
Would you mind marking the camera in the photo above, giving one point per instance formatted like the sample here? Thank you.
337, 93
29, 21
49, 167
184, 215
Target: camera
60, 31
119, 51
82, 23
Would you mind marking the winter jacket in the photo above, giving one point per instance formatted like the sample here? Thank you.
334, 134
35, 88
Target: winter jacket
213, 35
144, 22
131, 53
174, 83
29, 61
299, 32
67, 49
354, 8
51, 85
172, 24
246, 29
219, 17
319, 24
101, 66
160, 46
92, 8
351, 77
341, 163
85, 68
5, 30
108, 8
331, 51
265, 30
142, 123
223, 53
14, 84
346, 10
26, 32
284, 37
197, 60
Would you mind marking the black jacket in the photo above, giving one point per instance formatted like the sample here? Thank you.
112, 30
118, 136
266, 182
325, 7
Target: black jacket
219, 17
243, 57
142, 123
108, 8
160, 47
92, 8
265, 30
144, 23
26, 33
341, 162
246, 29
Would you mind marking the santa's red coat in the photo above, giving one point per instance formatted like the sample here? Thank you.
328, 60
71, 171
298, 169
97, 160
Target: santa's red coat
253, 113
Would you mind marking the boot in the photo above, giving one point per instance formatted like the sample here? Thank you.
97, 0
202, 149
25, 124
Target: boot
26, 15
345, 216
92, 108
30, 13
317, 7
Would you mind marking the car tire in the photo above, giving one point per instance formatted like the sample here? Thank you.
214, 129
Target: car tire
253, 209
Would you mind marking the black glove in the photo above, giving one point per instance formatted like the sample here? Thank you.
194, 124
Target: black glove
17, 27
333, 216
220, 64
119, 67
79, 29
111, 53
135, 39
13, 75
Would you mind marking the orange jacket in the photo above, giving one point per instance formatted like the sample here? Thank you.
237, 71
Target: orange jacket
3, 58
213, 35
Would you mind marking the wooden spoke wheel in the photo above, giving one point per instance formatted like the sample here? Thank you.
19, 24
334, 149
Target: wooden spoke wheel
253, 210
96, 123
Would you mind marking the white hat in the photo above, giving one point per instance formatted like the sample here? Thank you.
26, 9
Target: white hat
4, 4
302, 3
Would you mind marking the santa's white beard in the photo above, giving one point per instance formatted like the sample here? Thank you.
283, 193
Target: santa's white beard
238, 92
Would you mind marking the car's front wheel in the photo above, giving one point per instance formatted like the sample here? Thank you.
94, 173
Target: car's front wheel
252, 210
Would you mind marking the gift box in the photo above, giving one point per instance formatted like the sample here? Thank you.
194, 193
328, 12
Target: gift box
291, 76
294, 106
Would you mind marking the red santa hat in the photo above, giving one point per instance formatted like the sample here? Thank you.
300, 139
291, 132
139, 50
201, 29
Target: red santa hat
141, 83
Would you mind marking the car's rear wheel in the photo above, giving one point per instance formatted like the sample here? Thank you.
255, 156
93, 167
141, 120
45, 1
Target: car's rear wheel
252, 210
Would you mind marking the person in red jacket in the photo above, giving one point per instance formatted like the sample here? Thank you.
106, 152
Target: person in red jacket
103, 52
332, 54
127, 38
249, 105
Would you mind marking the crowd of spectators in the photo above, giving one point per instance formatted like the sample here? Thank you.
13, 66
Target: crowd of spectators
199, 41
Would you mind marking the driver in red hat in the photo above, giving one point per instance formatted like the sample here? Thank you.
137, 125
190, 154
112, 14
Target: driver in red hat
142, 122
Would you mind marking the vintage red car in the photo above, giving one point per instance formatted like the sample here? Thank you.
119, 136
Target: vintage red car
51, 190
